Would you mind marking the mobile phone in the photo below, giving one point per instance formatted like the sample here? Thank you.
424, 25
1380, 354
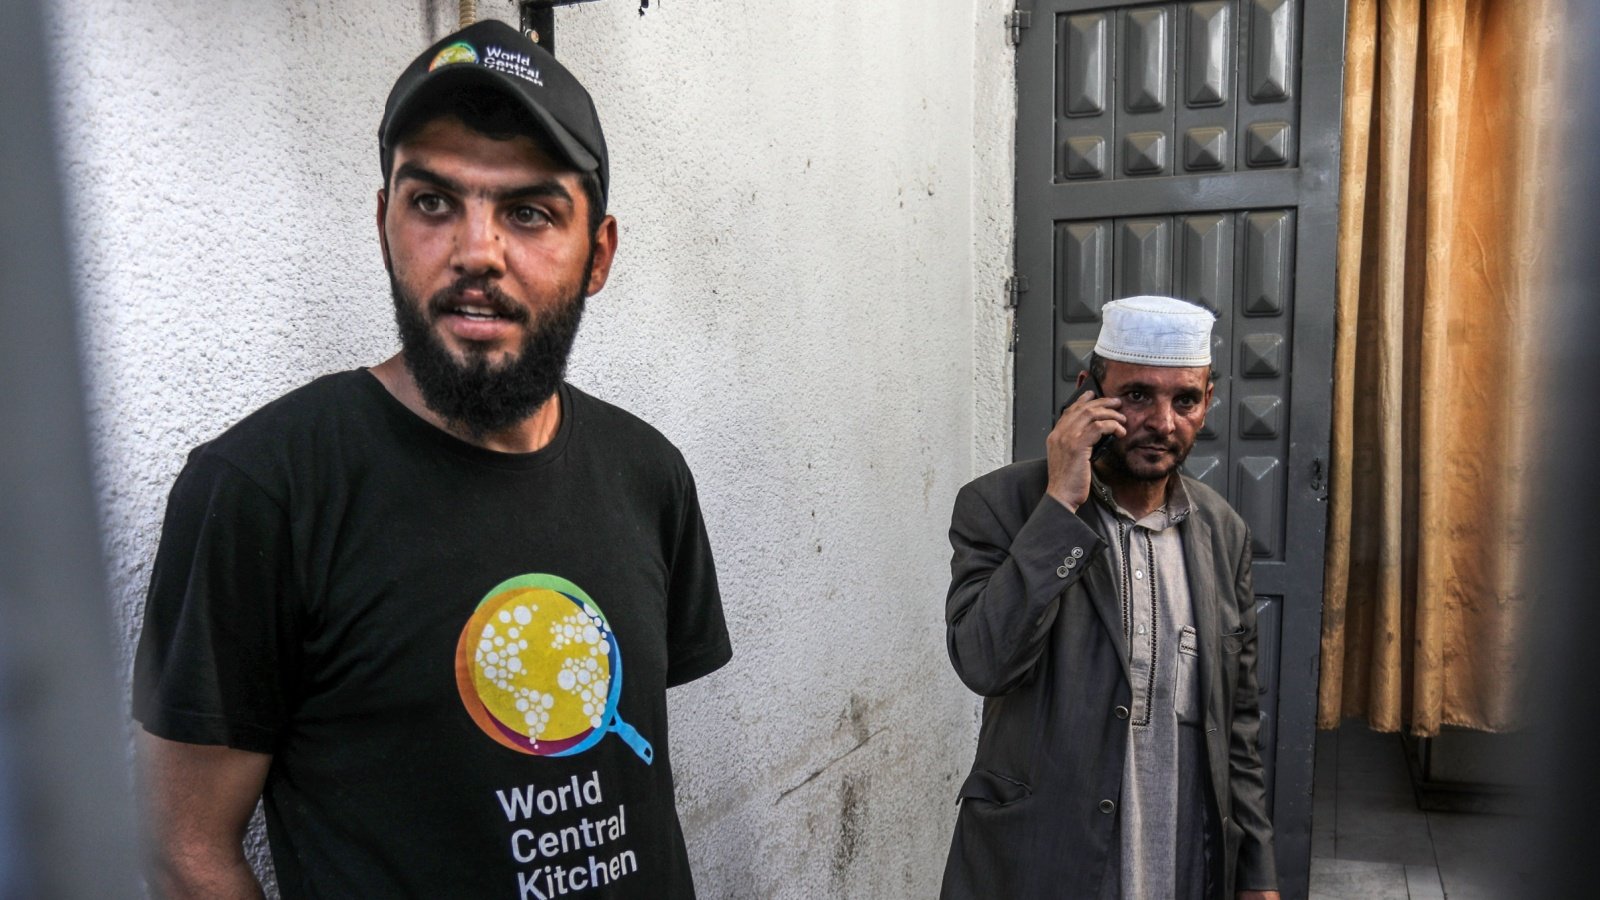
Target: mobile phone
1090, 384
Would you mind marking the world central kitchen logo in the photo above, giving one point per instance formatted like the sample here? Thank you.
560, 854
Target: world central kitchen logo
519, 64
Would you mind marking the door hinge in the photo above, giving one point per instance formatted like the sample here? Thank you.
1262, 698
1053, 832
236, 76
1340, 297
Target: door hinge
1016, 286
1016, 20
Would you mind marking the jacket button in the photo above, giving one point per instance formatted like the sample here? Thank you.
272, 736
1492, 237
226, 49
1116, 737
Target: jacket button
1061, 571
1121, 712
1077, 552
1107, 807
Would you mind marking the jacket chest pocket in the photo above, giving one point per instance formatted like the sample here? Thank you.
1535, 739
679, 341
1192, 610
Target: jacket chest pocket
1186, 687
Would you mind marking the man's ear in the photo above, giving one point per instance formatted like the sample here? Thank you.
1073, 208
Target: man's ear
605, 250
1082, 377
383, 234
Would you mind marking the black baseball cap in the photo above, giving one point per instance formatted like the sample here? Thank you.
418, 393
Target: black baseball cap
493, 54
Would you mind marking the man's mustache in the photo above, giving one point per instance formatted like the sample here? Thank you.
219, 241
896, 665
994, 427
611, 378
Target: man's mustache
453, 297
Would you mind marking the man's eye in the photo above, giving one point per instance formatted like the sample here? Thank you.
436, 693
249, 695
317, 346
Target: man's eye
1135, 396
429, 204
529, 215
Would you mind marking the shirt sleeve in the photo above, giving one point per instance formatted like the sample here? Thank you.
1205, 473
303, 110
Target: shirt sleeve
697, 635
217, 648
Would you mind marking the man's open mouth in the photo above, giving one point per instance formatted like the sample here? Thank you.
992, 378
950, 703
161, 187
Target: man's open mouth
477, 313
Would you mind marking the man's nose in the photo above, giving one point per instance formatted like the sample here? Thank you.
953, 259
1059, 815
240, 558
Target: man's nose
1162, 419
480, 246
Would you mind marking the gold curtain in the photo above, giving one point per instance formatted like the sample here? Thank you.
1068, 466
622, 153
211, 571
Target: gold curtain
1447, 103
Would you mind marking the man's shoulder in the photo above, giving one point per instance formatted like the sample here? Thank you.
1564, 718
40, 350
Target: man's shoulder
1018, 485
317, 402
615, 430
1211, 507
293, 422
1027, 472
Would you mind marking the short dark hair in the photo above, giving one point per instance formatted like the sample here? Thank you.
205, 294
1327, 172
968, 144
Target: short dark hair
491, 114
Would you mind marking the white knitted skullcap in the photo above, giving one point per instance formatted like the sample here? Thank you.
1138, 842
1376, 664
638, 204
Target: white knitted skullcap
1155, 331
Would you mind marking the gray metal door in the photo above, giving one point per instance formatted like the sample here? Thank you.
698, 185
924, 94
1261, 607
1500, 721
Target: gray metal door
1192, 149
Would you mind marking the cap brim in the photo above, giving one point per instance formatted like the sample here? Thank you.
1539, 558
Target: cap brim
462, 75
1150, 359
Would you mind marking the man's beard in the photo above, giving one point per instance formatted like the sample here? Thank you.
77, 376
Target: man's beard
1116, 459
475, 396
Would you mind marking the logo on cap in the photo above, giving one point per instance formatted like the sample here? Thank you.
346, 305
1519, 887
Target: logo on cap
512, 63
459, 52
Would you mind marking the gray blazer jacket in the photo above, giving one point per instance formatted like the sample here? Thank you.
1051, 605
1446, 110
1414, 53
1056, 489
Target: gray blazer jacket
1034, 625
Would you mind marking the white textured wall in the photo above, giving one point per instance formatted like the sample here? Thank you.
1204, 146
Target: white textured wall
815, 200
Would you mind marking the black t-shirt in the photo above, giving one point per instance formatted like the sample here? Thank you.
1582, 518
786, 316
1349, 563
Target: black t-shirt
430, 638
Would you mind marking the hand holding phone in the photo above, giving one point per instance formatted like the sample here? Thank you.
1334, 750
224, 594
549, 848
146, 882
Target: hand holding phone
1098, 419
1089, 384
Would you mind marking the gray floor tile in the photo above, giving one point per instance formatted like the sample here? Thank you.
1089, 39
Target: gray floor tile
1502, 886
1370, 842
1390, 776
1371, 751
1392, 781
1324, 823
1323, 846
1388, 840
1325, 767
1360, 798
1344, 879
1477, 855
1422, 883
1475, 834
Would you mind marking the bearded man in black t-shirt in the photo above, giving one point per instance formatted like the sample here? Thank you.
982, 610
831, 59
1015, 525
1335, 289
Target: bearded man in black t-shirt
395, 604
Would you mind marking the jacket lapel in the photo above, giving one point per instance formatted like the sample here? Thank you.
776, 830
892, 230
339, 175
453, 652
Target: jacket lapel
1101, 582
1203, 596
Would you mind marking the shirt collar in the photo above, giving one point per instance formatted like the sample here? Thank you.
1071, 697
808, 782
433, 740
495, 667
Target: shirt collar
1174, 511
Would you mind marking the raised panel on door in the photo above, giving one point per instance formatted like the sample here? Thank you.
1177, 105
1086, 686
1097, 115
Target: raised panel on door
1144, 56
1207, 118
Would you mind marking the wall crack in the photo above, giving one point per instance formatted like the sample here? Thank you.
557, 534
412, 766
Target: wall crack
828, 765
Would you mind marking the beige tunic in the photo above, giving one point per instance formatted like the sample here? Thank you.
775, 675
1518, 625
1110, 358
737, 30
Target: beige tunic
1158, 622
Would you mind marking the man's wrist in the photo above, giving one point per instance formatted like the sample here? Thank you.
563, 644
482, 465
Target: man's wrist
1056, 496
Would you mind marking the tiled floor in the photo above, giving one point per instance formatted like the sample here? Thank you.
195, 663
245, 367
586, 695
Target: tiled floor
1369, 841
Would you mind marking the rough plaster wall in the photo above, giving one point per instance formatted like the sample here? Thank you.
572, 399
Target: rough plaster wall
994, 127
815, 202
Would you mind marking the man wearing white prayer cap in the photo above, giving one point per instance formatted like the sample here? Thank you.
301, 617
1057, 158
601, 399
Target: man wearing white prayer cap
1100, 602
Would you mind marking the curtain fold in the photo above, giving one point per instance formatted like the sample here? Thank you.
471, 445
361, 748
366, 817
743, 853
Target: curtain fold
1447, 108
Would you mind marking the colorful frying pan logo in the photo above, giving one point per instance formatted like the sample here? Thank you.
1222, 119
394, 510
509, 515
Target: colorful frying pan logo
539, 669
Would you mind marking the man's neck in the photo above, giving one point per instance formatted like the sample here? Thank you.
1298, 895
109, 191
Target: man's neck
532, 433
1139, 498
